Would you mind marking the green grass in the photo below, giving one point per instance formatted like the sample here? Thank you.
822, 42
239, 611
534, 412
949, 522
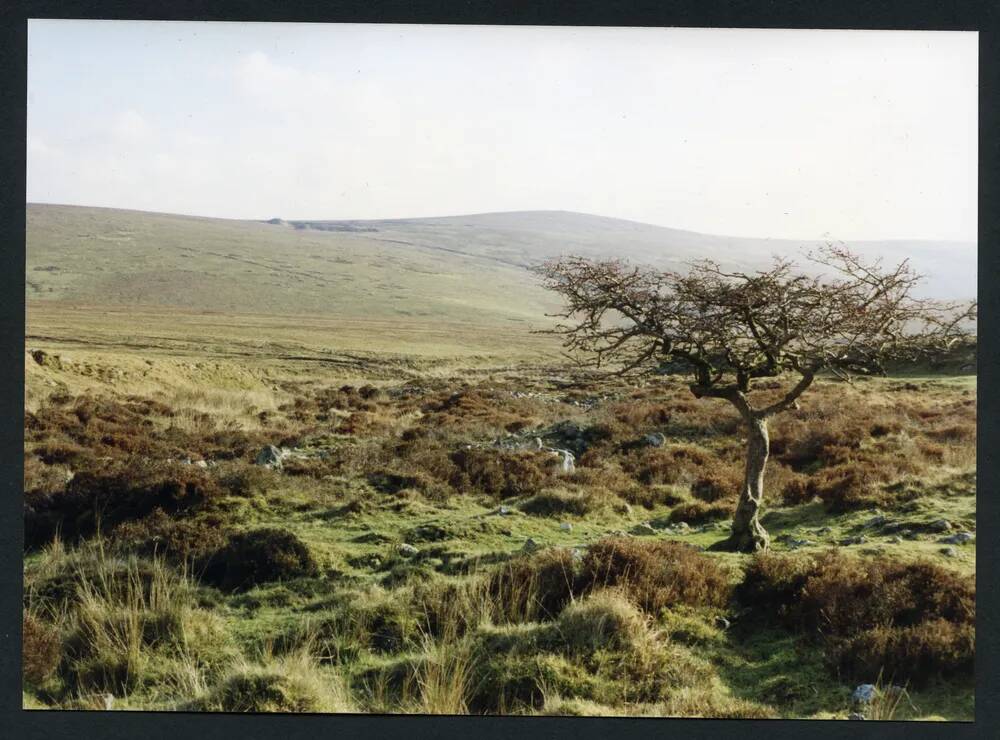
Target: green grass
355, 625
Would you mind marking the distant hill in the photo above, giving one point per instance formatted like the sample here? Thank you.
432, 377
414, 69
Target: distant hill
469, 268
527, 237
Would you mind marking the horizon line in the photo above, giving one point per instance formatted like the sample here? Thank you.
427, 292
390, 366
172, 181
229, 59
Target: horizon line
974, 243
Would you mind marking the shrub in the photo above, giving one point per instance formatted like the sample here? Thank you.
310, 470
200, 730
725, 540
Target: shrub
127, 493
601, 620
844, 596
289, 684
714, 487
651, 496
248, 480
797, 491
697, 512
532, 587
178, 539
772, 583
551, 502
915, 653
669, 464
501, 474
655, 575
131, 626
912, 619
41, 648
512, 682
259, 556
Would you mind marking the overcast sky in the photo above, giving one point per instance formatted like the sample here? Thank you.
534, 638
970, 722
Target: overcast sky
797, 134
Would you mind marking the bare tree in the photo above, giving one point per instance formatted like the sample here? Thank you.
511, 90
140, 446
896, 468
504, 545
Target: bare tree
729, 329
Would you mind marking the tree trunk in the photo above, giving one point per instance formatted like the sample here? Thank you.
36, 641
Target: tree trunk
747, 534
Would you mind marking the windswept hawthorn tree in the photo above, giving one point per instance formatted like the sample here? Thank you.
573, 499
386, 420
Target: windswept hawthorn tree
729, 329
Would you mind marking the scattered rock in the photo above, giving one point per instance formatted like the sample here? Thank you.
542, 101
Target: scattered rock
44, 359
859, 540
407, 550
270, 457
896, 539
824, 530
940, 525
567, 462
530, 545
794, 544
949, 552
655, 439
200, 464
907, 534
644, 528
864, 694
876, 521
566, 527
503, 510
959, 538
855, 715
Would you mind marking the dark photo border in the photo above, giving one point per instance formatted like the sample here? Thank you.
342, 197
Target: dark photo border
982, 16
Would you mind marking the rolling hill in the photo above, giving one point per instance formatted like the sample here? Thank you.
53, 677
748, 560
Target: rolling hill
463, 268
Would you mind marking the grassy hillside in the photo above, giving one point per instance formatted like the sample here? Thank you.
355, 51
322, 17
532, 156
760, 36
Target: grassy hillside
469, 269
109, 257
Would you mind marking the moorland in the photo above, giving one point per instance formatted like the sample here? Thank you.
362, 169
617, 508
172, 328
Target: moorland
272, 467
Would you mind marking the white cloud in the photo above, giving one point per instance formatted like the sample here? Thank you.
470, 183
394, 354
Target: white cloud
131, 126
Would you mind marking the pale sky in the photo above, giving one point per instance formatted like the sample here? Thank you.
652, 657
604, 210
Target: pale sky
782, 134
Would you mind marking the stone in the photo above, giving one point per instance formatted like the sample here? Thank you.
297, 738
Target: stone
794, 544
503, 510
949, 552
530, 545
864, 694
876, 521
939, 525
568, 462
645, 528
896, 539
959, 538
856, 715
655, 439
859, 540
566, 527
269, 457
407, 550
200, 464
824, 530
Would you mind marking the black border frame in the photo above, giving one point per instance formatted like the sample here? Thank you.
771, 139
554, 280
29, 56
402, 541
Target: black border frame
953, 15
